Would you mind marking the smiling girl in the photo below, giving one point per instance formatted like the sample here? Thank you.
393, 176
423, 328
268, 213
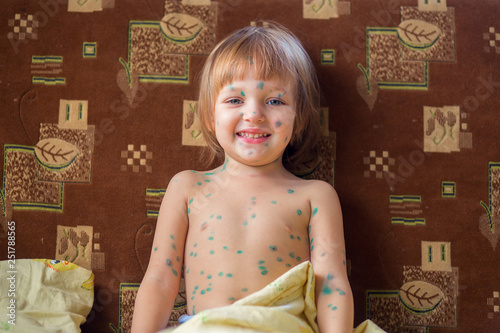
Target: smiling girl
237, 228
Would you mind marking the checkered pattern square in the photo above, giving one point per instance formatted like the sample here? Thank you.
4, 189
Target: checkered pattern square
494, 305
23, 26
137, 159
493, 39
378, 164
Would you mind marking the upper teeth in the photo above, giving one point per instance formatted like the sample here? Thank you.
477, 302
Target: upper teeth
253, 136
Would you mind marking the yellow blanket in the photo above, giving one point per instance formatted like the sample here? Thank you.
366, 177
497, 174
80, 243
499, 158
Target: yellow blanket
285, 305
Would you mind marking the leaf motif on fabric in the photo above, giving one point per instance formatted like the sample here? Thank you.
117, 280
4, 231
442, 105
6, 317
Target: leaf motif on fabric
420, 297
418, 34
55, 154
180, 28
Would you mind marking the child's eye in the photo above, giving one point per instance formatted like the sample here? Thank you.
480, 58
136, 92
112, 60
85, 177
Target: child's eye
234, 101
275, 102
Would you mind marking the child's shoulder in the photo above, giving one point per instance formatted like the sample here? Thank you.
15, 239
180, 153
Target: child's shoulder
190, 178
318, 188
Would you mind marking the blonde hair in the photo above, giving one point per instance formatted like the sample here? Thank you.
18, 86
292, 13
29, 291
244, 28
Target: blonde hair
276, 54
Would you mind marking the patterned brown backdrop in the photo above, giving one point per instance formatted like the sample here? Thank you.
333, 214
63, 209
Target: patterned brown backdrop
98, 110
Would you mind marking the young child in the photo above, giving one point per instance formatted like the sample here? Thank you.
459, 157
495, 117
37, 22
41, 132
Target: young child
238, 227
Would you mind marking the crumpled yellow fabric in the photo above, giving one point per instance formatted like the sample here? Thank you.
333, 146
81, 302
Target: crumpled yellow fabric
49, 296
285, 305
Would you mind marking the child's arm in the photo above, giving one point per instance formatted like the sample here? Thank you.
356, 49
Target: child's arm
333, 293
160, 285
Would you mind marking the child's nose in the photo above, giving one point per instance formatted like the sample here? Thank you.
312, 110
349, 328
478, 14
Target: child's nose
254, 114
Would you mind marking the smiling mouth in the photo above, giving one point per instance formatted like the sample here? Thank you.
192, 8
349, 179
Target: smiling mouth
253, 135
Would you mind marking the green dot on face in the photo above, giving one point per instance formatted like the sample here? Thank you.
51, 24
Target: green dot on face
290, 191
220, 274
274, 202
264, 272
211, 238
261, 262
279, 259
218, 217
299, 212
315, 211
229, 275
156, 248
209, 276
203, 292
202, 272
169, 262
244, 289
253, 215
239, 252
273, 248
262, 267
212, 252
230, 299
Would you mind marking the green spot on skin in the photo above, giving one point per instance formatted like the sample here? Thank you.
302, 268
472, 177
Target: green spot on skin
203, 292
211, 238
202, 272
218, 217
334, 308
156, 248
329, 277
191, 254
326, 289
220, 274
199, 183
288, 265
190, 202
231, 87
341, 292
209, 276
195, 245
189, 210
169, 263
261, 262
173, 246
230, 299
264, 272
273, 202
225, 248
299, 212
244, 290
172, 236
239, 252
273, 248
292, 237
253, 216
262, 267
260, 85
278, 124
290, 191
196, 287
298, 238
245, 222
292, 255
178, 259
242, 93
212, 252
279, 259
209, 289
298, 259
175, 272
229, 275
315, 211
195, 255
209, 173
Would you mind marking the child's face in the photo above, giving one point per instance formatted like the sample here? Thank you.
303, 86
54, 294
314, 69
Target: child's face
254, 119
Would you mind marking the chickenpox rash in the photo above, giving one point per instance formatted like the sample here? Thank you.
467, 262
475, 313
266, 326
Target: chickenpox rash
278, 124
242, 93
260, 85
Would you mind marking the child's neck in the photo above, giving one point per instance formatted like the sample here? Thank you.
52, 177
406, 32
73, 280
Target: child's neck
242, 170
